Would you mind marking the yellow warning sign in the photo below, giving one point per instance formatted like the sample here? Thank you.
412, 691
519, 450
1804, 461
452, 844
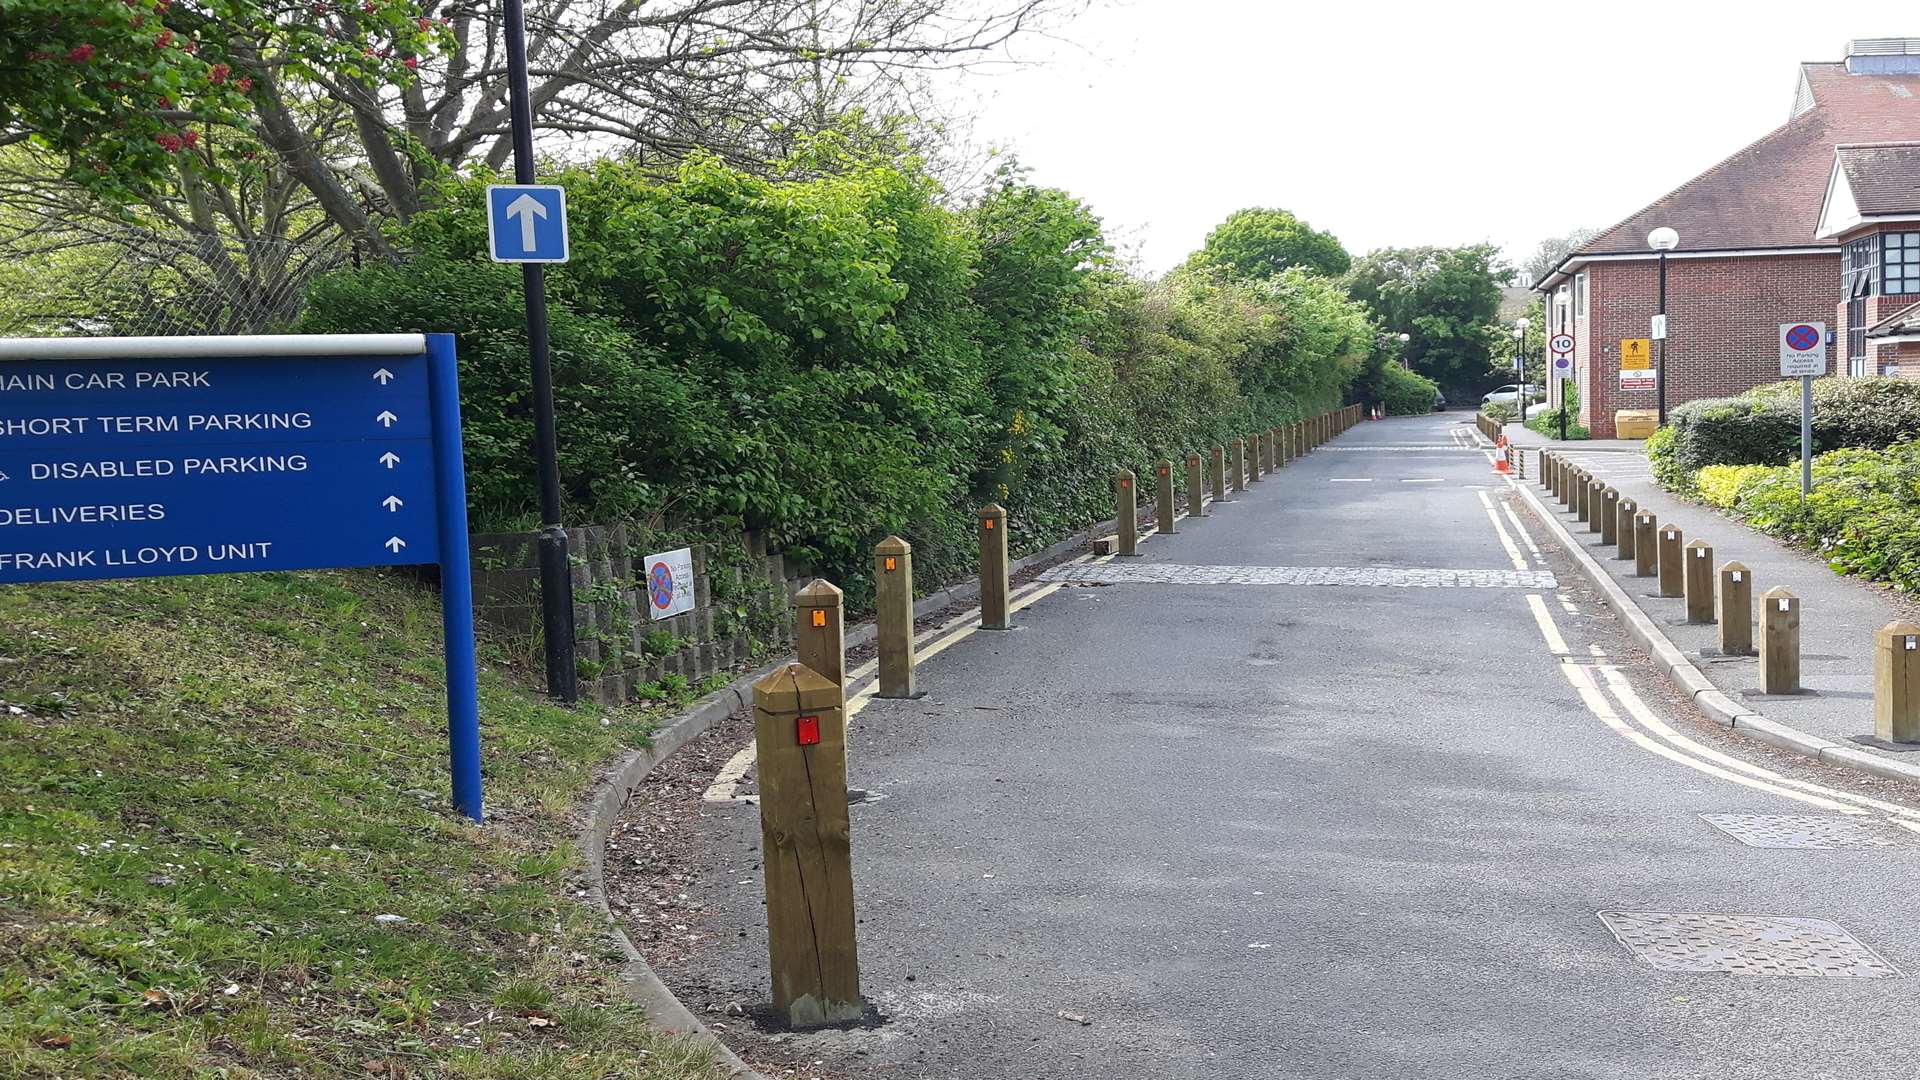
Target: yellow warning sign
1636, 354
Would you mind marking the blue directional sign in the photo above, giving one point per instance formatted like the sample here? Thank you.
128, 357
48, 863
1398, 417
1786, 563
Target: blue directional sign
527, 223
143, 457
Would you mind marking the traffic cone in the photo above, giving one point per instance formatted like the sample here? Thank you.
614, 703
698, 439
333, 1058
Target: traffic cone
1500, 465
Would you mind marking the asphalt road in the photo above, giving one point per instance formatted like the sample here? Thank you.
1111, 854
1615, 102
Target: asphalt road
1348, 830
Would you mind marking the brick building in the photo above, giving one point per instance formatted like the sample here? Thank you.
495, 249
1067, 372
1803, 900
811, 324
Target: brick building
1872, 210
1751, 253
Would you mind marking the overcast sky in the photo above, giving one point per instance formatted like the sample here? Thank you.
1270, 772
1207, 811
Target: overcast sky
1397, 124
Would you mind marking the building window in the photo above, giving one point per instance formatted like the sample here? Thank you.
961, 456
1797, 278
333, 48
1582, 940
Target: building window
1900, 263
1580, 296
1859, 261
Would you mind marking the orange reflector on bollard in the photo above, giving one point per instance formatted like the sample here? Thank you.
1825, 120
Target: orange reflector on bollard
806, 730
819, 617
986, 523
892, 564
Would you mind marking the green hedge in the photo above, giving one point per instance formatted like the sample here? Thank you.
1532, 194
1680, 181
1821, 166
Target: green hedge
1403, 392
1762, 426
838, 358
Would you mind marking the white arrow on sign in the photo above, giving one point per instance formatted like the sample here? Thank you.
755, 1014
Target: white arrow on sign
393, 503
4, 478
394, 544
389, 459
383, 376
526, 208
386, 418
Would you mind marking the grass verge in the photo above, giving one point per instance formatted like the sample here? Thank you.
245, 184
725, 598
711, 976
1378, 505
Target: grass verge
226, 847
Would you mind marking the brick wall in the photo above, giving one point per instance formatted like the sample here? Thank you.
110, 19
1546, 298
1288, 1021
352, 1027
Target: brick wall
1724, 319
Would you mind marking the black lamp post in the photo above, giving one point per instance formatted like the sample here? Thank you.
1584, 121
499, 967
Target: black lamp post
1662, 240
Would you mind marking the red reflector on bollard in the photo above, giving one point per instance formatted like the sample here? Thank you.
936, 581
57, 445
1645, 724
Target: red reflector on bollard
806, 730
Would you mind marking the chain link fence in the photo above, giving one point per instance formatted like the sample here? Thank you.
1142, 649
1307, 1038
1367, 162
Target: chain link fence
144, 282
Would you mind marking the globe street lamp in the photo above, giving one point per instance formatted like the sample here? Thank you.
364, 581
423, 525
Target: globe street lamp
1404, 362
1662, 240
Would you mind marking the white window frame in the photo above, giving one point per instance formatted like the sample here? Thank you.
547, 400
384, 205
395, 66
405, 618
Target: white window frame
1580, 296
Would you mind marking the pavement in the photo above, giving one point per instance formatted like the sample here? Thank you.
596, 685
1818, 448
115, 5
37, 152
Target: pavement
1353, 777
1838, 615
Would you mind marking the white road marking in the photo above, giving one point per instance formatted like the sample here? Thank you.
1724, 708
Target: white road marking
1505, 540
1521, 528
1597, 704
1349, 479
1555, 643
1424, 480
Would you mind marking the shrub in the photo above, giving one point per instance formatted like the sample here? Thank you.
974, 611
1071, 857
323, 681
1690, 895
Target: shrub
1722, 485
1863, 516
1498, 410
1762, 426
1548, 423
1403, 392
1666, 468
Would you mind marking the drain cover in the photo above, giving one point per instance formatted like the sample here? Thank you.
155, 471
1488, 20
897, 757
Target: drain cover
1746, 945
1816, 832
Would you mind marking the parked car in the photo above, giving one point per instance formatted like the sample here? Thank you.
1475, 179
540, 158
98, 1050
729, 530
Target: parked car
1439, 400
1510, 393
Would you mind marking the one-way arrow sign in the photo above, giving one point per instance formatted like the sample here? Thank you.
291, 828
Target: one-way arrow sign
389, 459
4, 478
393, 503
527, 223
394, 544
386, 418
383, 376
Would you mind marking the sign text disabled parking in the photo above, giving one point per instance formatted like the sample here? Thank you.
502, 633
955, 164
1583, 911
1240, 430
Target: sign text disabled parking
527, 223
138, 468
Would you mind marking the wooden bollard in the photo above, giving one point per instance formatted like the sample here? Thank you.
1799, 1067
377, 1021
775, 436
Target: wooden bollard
1623, 529
800, 739
1596, 506
1126, 512
1672, 561
1163, 496
1196, 486
1735, 610
994, 587
819, 635
1237, 464
1548, 462
1646, 544
1582, 505
1297, 433
893, 617
1699, 582
1609, 517
1779, 642
1896, 683
1219, 469
1569, 479
1282, 447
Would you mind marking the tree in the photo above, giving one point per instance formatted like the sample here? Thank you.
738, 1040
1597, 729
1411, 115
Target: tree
1550, 252
1446, 299
125, 93
1259, 243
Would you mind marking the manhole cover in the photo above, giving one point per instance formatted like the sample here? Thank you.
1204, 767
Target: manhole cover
1817, 832
1746, 945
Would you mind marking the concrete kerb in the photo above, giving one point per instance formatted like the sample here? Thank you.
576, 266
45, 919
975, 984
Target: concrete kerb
638, 980
1684, 674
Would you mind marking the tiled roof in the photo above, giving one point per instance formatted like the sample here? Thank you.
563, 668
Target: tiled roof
1769, 194
1884, 179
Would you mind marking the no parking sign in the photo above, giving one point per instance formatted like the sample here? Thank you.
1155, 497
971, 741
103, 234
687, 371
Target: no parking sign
670, 583
1803, 349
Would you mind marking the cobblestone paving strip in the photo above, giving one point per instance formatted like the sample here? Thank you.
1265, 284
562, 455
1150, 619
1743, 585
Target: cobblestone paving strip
1812, 832
1361, 576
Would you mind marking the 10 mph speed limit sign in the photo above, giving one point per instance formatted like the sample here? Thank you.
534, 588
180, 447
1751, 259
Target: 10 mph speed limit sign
1562, 343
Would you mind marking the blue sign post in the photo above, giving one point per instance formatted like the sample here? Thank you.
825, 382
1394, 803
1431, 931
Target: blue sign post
527, 223
145, 457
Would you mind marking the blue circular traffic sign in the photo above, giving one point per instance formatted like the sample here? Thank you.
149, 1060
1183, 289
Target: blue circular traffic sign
1803, 338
